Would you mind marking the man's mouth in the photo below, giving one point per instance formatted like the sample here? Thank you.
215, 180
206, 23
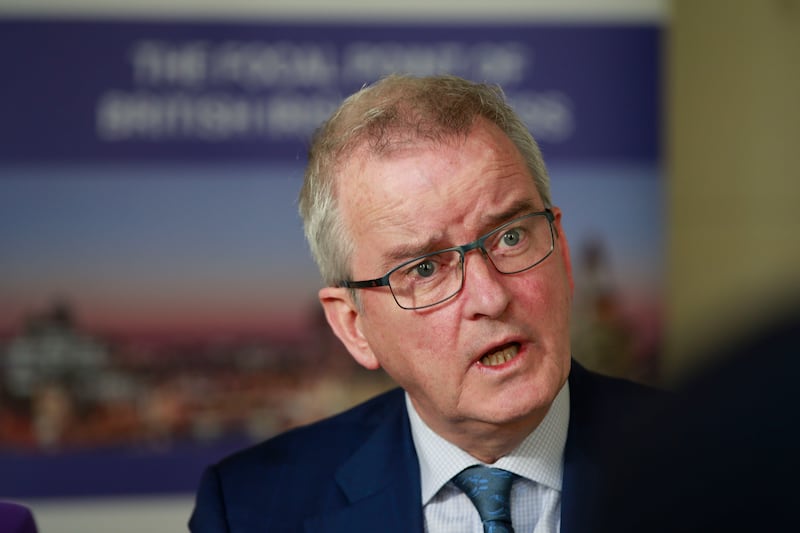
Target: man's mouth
501, 356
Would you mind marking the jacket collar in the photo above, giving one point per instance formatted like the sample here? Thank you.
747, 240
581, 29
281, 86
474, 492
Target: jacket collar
380, 481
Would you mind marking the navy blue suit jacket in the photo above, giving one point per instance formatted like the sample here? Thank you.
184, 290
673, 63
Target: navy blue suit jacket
358, 471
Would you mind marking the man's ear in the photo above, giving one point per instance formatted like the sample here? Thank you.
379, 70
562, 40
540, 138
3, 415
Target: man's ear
345, 320
563, 246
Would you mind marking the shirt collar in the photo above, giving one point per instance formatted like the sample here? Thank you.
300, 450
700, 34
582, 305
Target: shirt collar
540, 457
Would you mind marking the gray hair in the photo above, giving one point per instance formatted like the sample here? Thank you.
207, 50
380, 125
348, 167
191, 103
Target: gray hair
379, 116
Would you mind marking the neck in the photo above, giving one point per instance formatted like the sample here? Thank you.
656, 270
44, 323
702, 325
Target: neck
487, 442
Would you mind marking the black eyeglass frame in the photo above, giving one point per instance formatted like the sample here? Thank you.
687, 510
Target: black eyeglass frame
478, 243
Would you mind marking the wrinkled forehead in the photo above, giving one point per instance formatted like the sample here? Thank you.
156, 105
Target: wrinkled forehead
398, 142
417, 173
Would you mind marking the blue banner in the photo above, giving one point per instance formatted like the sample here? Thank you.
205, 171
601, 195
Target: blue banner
78, 90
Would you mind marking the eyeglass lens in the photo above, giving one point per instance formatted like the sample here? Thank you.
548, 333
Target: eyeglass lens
431, 279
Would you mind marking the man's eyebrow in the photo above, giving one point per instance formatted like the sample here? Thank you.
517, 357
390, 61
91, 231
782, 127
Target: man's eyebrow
516, 209
405, 252
408, 251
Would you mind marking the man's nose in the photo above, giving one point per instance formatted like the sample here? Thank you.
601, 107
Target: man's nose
484, 287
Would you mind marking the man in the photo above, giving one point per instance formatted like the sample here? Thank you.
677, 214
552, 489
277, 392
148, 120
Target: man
477, 335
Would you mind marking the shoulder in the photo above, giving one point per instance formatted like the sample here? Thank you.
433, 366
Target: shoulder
325, 442
276, 483
601, 404
607, 389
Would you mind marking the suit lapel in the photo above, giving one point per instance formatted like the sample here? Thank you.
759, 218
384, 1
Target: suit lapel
381, 483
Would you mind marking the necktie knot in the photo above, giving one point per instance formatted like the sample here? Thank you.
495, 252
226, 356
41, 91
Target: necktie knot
489, 489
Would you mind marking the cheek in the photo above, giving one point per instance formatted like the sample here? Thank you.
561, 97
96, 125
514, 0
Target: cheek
411, 345
548, 300
426, 340
387, 330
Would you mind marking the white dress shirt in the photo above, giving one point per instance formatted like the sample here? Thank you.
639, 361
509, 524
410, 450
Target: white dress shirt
538, 460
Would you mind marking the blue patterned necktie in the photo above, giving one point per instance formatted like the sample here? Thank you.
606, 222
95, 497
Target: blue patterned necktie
490, 492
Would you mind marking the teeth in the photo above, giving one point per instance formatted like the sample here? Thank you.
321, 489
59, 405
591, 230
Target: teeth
499, 357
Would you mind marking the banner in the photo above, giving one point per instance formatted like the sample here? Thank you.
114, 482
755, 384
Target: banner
111, 90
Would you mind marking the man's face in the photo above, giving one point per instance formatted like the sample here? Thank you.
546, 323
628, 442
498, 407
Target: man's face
430, 196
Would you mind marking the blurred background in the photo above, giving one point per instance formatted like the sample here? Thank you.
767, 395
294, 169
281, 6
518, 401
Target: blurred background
157, 300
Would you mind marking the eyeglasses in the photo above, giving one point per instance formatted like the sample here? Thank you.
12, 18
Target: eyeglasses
433, 278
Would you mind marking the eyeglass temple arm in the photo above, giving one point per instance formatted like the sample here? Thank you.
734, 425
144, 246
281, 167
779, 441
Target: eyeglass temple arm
379, 282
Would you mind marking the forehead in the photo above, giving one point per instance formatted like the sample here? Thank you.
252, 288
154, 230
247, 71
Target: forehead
423, 195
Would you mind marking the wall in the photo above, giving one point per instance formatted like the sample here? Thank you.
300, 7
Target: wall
733, 127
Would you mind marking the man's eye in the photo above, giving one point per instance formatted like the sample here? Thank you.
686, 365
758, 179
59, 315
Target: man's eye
425, 269
511, 237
